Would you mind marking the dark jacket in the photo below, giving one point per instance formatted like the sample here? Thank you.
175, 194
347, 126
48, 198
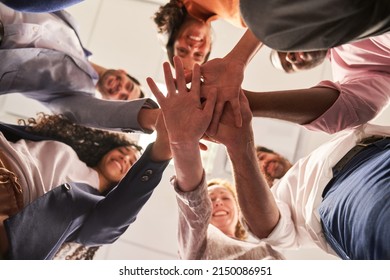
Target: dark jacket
77, 212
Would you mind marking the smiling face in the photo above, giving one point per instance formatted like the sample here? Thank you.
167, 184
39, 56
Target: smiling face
193, 42
292, 62
117, 85
225, 210
115, 164
273, 166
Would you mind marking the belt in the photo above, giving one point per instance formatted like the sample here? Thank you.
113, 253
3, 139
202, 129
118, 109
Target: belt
359, 146
1, 32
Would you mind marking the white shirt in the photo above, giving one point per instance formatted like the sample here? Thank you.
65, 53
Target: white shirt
39, 30
298, 193
43, 165
42, 30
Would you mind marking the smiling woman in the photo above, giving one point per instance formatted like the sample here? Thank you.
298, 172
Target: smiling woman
86, 182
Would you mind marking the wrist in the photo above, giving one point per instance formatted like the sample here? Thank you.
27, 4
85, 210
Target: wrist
246, 149
184, 146
147, 118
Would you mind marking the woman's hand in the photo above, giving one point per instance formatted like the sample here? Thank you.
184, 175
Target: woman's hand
186, 117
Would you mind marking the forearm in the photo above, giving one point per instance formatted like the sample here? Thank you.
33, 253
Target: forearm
194, 210
298, 106
246, 48
255, 198
188, 165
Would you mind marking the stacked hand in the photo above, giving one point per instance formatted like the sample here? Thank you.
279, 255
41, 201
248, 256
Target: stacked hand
185, 116
226, 75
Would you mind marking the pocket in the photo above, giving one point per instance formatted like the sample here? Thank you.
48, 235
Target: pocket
20, 35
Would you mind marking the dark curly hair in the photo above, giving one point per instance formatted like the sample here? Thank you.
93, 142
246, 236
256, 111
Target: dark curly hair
169, 18
240, 232
90, 144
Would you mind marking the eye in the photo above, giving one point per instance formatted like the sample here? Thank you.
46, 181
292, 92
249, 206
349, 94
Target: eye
199, 56
181, 51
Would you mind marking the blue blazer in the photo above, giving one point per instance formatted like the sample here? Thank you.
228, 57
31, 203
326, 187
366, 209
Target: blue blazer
77, 212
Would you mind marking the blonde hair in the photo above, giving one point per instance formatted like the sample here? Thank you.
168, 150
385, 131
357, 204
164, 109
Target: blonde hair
240, 232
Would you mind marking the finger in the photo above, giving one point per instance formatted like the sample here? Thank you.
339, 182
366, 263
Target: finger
195, 83
213, 128
236, 111
188, 76
169, 80
155, 90
180, 79
209, 138
209, 106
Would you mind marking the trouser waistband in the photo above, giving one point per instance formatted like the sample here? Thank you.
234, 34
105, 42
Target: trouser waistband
381, 142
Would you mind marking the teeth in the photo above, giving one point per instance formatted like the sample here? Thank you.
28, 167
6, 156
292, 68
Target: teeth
195, 38
220, 213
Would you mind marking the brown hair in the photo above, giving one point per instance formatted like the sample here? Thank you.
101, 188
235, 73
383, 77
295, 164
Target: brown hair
240, 232
169, 18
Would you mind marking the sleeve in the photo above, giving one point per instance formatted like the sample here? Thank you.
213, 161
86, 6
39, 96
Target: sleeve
194, 216
284, 234
40, 6
111, 216
105, 114
359, 101
39, 74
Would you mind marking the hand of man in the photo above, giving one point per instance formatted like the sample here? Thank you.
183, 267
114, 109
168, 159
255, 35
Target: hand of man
226, 75
228, 134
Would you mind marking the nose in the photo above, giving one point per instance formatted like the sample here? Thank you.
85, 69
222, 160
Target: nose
218, 202
291, 57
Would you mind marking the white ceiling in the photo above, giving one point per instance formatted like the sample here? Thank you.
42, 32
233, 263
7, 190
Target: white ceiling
121, 34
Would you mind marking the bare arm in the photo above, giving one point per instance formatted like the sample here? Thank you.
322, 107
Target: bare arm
254, 196
299, 106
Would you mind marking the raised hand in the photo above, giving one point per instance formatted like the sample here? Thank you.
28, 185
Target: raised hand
186, 118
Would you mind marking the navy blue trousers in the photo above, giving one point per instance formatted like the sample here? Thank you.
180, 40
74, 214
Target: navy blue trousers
355, 211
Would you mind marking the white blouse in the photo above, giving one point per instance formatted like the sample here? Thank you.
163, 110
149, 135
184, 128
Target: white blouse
43, 165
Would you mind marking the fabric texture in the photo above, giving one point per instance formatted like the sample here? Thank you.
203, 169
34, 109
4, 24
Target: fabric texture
41, 6
299, 25
76, 212
208, 11
42, 165
32, 65
355, 212
200, 240
299, 193
361, 75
